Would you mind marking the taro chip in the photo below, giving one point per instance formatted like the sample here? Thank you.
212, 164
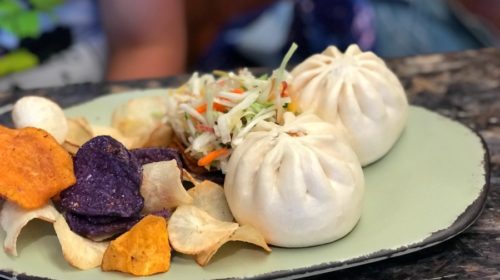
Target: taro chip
210, 197
149, 155
34, 167
108, 181
245, 233
78, 251
99, 228
193, 231
143, 250
13, 219
162, 187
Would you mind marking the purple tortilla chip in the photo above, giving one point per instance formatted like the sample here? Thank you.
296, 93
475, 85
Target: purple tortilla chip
108, 181
103, 154
149, 155
115, 226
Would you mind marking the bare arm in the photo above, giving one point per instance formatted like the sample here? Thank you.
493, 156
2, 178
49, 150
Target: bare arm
145, 38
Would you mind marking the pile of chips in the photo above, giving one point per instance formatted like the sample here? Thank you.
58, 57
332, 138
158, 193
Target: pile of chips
115, 207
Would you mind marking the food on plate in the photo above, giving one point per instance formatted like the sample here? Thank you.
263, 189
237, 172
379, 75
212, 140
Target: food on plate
106, 198
34, 167
193, 231
299, 184
40, 112
291, 147
162, 187
108, 181
79, 131
160, 136
14, 218
80, 252
143, 250
354, 90
100, 228
212, 114
244, 233
149, 155
210, 197
128, 142
141, 116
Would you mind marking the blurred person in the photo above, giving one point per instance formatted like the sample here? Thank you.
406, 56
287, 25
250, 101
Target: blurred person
47, 43
57, 42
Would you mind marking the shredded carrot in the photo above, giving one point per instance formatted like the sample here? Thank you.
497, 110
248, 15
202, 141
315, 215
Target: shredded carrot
210, 157
238, 90
219, 107
216, 106
202, 108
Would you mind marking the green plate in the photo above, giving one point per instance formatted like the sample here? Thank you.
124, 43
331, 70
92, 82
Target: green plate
429, 188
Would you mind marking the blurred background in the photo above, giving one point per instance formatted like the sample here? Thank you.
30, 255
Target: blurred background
46, 43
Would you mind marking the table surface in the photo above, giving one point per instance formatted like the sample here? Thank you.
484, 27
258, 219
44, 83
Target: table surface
464, 86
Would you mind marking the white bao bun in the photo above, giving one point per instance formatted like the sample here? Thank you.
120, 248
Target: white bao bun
357, 90
299, 184
40, 112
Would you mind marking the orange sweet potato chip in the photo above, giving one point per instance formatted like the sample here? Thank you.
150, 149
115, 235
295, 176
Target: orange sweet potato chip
33, 165
143, 250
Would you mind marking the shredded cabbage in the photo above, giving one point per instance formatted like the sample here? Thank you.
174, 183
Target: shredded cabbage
216, 111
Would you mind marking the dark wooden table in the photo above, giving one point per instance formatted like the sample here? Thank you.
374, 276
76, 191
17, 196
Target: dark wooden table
464, 86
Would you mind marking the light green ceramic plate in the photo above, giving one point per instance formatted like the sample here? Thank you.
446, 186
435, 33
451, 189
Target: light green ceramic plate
429, 188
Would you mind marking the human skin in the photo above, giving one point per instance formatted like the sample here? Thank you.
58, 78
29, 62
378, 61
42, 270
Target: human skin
146, 39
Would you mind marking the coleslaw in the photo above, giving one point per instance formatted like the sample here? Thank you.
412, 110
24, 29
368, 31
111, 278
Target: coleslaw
212, 113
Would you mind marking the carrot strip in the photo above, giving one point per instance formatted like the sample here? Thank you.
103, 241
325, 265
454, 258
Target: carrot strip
219, 107
238, 90
216, 106
210, 157
202, 108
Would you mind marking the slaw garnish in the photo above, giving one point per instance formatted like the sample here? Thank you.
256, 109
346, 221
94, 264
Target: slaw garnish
212, 113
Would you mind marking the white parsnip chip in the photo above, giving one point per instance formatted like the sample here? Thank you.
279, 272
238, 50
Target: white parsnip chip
13, 218
80, 252
160, 136
210, 197
128, 142
139, 116
192, 231
244, 233
162, 187
79, 131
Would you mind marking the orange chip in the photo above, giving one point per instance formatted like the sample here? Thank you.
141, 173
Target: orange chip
143, 250
33, 165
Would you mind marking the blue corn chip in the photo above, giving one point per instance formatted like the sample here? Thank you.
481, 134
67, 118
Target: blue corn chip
113, 226
105, 155
108, 181
149, 155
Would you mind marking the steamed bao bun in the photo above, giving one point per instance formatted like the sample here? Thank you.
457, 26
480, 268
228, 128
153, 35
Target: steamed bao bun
299, 184
355, 90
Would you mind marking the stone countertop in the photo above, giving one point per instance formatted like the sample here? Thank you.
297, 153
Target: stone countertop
464, 86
